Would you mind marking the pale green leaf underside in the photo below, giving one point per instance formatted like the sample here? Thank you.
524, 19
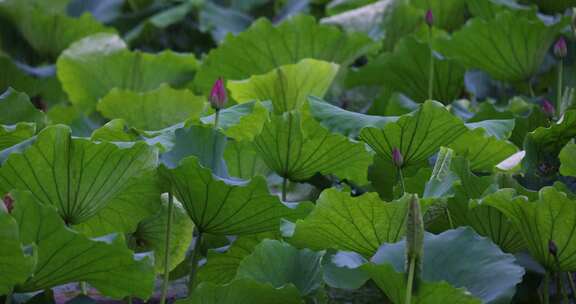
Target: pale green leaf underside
264, 47
243, 292
359, 224
11, 135
65, 256
509, 47
218, 207
15, 264
568, 160
417, 135
394, 285
483, 151
76, 176
243, 161
105, 60
152, 110
552, 217
287, 86
295, 146
16, 107
279, 264
221, 268
150, 235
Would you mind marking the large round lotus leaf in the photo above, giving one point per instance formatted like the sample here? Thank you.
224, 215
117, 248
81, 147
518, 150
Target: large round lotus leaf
463, 259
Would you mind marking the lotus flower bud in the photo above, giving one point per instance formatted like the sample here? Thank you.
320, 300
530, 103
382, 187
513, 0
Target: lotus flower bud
560, 48
397, 158
552, 248
548, 108
414, 230
218, 96
8, 202
429, 18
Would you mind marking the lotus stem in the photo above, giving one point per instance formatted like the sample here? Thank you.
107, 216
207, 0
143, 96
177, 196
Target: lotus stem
84, 288
449, 216
410, 281
216, 118
284, 188
531, 89
401, 179
560, 288
572, 285
545, 292
129, 299
560, 86
194, 267
431, 76
9, 297
167, 248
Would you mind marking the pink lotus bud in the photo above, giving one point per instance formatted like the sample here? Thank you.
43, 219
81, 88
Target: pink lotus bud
548, 108
8, 202
429, 18
560, 48
218, 96
397, 158
552, 248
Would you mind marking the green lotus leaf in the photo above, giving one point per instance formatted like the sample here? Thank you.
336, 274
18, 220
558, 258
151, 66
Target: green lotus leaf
365, 19
224, 207
341, 121
15, 264
150, 235
78, 177
11, 135
558, 6
49, 32
489, 9
264, 47
406, 70
152, 110
417, 135
483, 151
202, 141
544, 144
467, 209
448, 256
509, 47
242, 292
16, 107
361, 224
551, 218
448, 14
115, 130
138, 201
279, 264
287, 86
243, 121
65, 256
221, 268
568, 160
499, 128
243, 160
106, 61
297, 147
441, 178
393, 284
